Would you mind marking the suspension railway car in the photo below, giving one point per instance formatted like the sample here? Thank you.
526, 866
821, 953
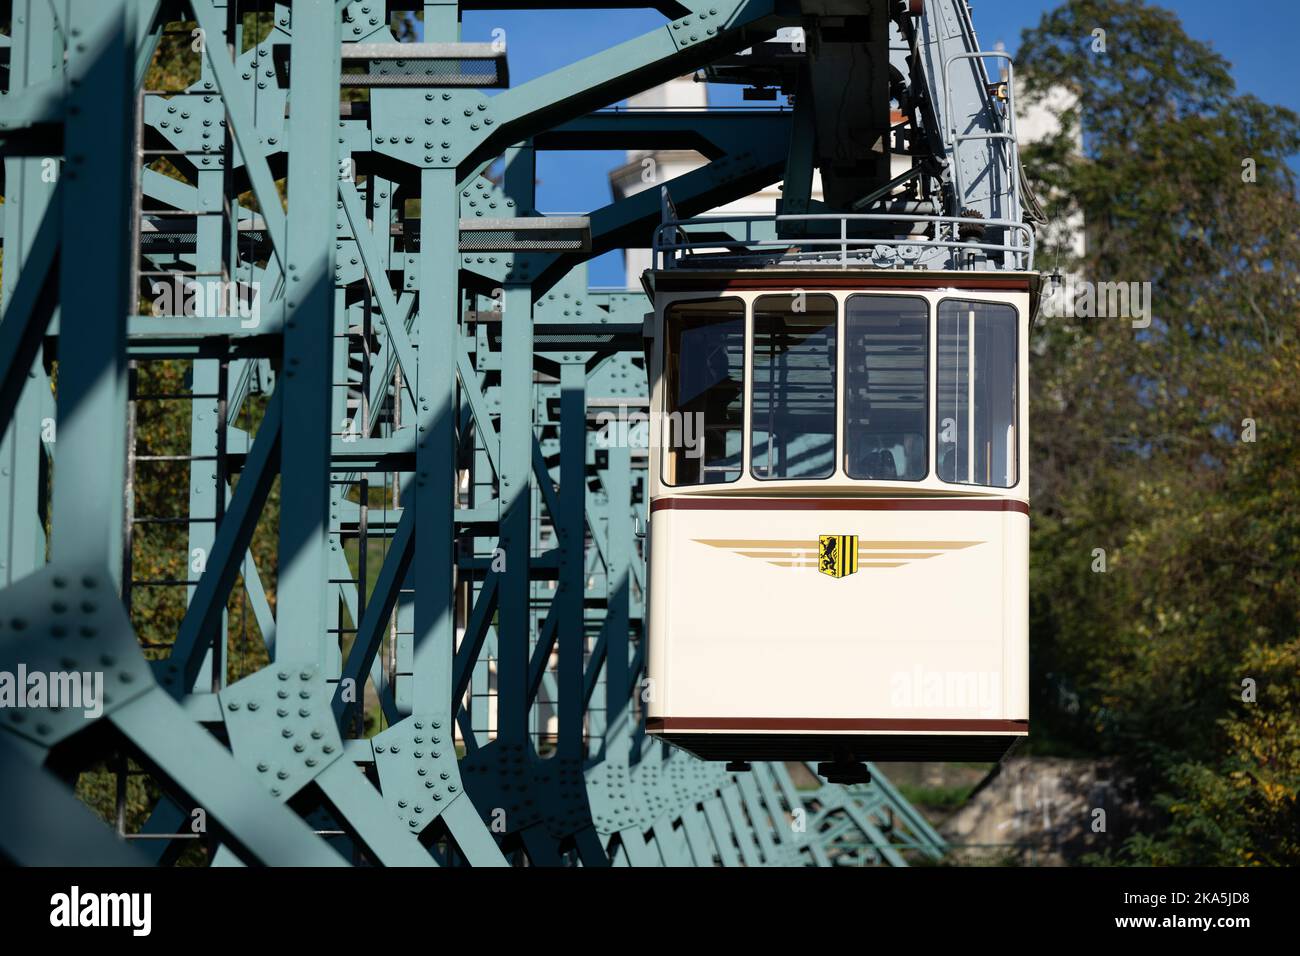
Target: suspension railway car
839, 514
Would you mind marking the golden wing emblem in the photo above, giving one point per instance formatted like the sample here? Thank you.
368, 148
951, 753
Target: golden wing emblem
859, 554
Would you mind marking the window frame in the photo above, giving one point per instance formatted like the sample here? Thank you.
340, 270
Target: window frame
837, 378
930, 366
1017, 396
665, 448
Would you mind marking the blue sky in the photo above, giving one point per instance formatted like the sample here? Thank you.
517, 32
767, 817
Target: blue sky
1258, 38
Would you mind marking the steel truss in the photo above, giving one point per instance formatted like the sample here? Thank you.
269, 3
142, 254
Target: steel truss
418, 390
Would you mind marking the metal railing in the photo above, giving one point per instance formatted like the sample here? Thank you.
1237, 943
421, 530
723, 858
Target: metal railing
1006, 136
673, 242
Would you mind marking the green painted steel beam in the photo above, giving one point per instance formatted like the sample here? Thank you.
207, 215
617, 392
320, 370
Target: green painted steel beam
94, 282
673, 50
711, 135
308, 342
27, 312
501, 559
57, 829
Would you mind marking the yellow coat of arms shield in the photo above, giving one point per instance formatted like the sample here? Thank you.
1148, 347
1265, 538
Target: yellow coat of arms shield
837, 554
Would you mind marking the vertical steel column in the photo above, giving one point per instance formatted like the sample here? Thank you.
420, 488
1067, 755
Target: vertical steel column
482, 499
95, 283
308, 339
515, 500
515, 495
571, 528
436, 337
208, 488
442, 20
438, 340
29, 185
618, 555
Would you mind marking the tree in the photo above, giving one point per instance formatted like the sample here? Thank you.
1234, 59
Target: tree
1171, 447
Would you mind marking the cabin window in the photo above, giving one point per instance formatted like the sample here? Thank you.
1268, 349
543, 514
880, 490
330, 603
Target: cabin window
792, 414
886, 387
975, 418
704, 381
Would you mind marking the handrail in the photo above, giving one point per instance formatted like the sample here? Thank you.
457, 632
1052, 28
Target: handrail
672, 241
953, 139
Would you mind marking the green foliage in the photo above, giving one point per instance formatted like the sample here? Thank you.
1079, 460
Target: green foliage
1241, 809
1139, 434
936, 798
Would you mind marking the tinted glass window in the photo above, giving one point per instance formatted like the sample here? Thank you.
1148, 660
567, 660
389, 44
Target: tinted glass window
975, 420
704, 381
886, 387
793, 413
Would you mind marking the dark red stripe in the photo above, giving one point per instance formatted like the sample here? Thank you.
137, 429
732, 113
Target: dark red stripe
717, 503
677, 281
870, 724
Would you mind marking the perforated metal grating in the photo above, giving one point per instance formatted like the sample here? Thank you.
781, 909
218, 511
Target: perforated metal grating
424, 64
